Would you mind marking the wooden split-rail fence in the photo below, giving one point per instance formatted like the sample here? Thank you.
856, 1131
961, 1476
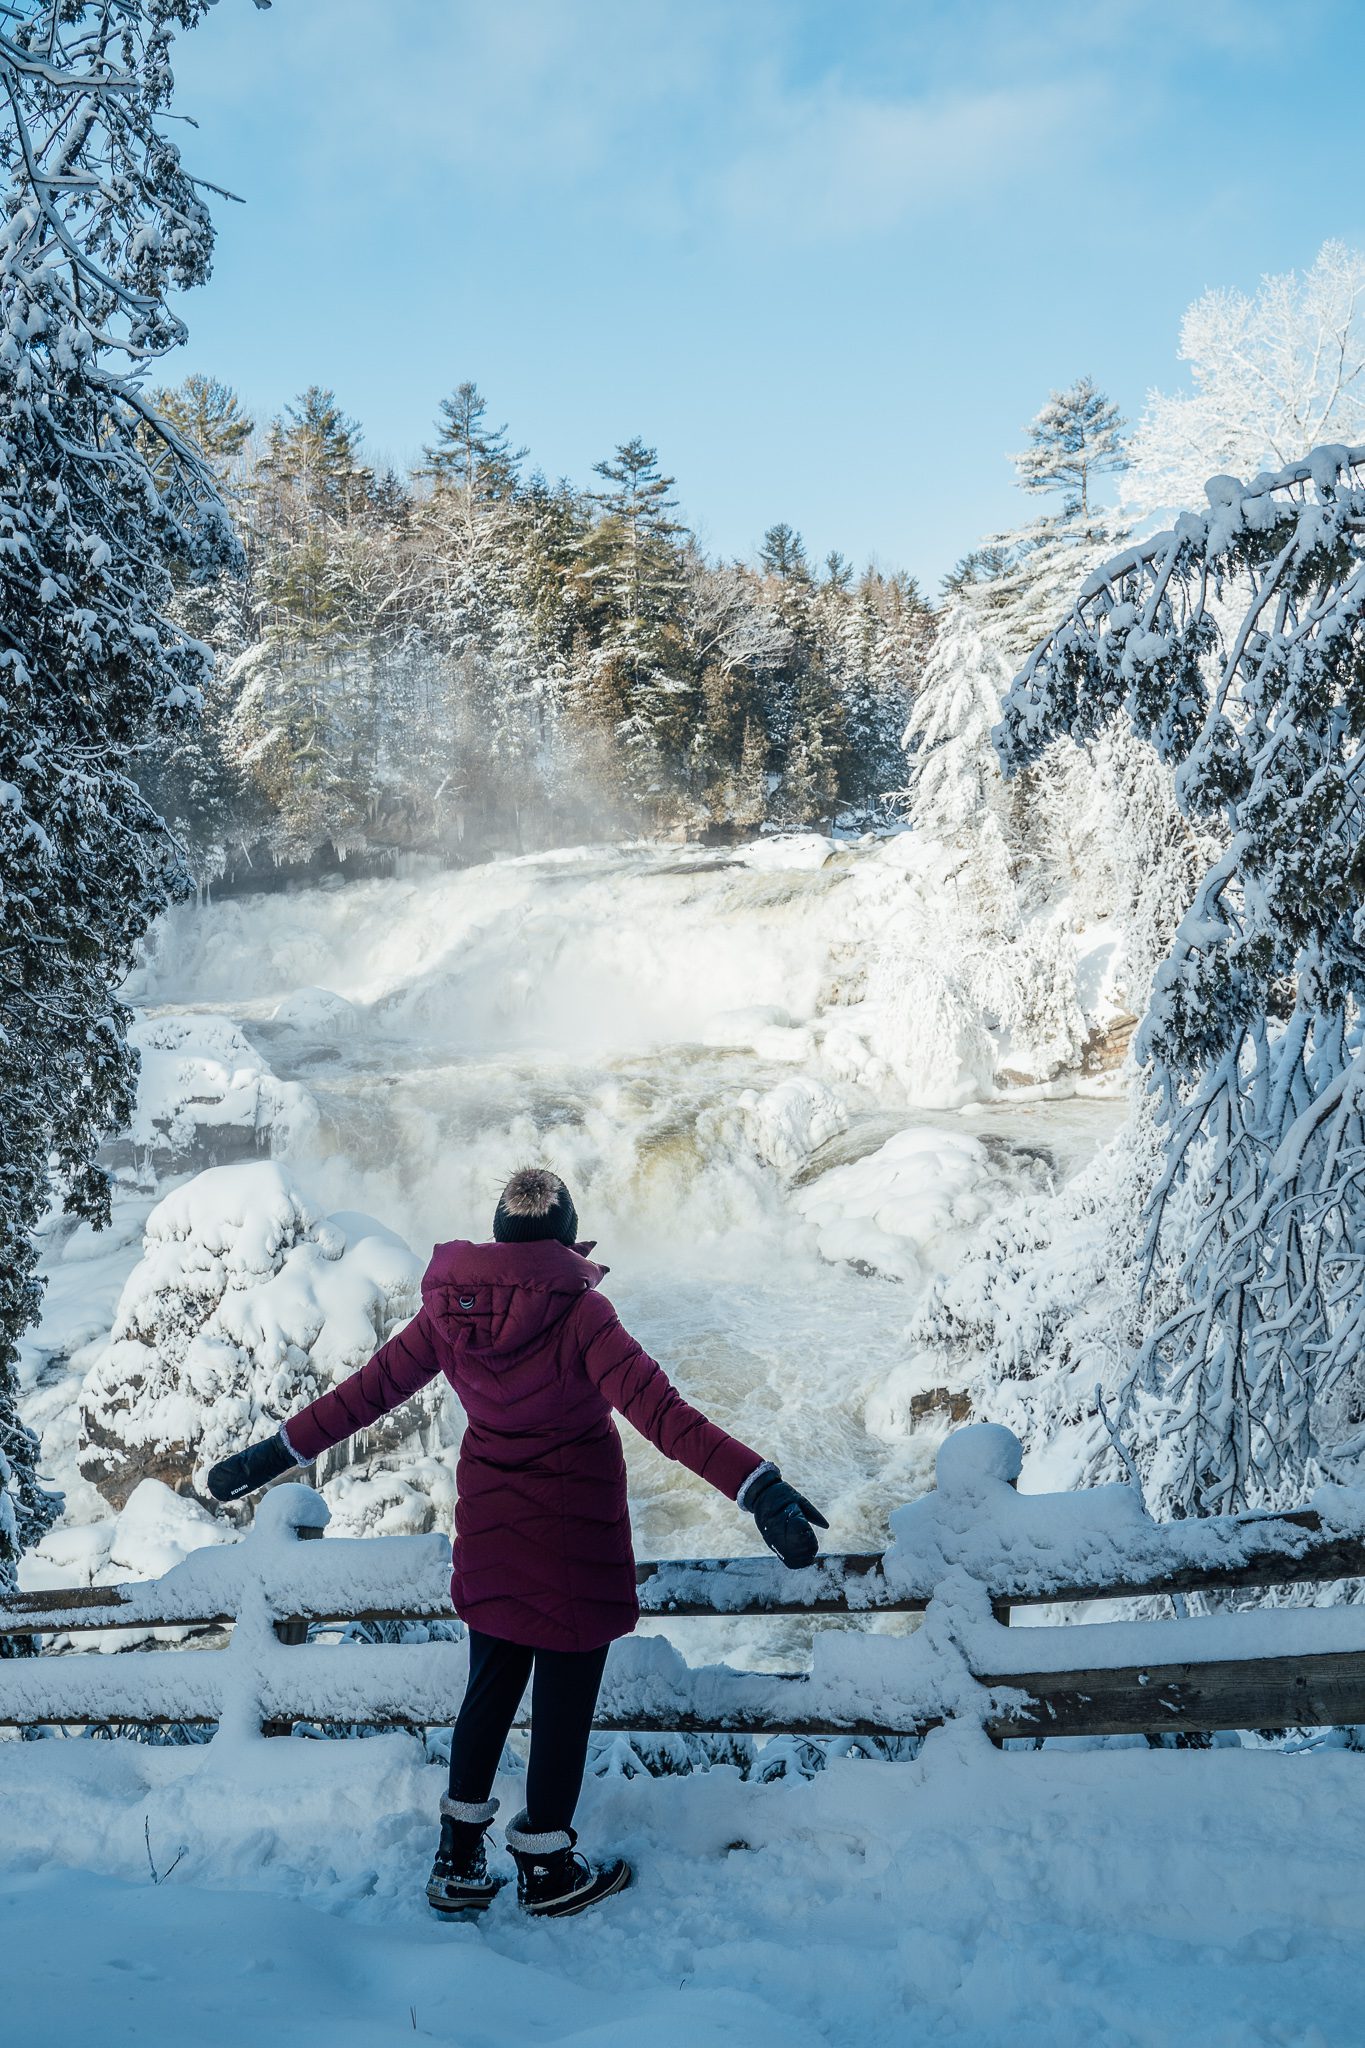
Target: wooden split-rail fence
970, 1559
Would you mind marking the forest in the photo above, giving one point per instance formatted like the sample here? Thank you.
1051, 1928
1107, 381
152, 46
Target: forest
473, 660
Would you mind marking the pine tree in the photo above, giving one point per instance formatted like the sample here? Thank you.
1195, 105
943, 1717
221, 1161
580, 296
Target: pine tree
1030, 575
955, 791
1076, 437
635, 561
468, 456
312, 464
642, 680
209, 415
315, 507
100, 222
783, 554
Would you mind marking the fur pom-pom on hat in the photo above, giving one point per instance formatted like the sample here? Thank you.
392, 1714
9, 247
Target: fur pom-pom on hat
535, 1204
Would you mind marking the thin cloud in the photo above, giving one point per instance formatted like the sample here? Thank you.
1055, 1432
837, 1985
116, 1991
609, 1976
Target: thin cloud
832, 163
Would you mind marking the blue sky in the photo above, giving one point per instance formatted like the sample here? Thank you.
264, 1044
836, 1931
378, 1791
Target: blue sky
828, 255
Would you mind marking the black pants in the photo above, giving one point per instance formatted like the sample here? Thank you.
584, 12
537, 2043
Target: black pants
563, 1695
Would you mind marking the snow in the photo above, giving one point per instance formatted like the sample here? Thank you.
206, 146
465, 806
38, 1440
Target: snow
318, 1012
201, 1085
787, 850
1031, 1545
902, 1207
1127, 1898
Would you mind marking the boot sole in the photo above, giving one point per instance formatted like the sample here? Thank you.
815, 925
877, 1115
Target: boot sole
565, 1909
463, 1909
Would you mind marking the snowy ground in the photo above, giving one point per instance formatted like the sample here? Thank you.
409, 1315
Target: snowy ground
1118, 1899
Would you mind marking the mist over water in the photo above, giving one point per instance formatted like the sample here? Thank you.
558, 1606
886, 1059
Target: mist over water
688, 1039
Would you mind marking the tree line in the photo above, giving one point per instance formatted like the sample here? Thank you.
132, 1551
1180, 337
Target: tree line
472, 659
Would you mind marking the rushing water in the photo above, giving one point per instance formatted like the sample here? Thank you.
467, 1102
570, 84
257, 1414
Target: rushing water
693, 1041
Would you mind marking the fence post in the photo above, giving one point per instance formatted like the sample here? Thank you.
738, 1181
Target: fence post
284, 1516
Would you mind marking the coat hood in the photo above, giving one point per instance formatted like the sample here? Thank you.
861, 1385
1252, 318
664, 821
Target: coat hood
492, 1301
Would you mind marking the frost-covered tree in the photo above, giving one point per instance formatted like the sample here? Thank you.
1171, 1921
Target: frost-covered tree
468, 456
99, 223
1233, 646
1275, 374
1077, 436
1027, 577
954, 788
955, 794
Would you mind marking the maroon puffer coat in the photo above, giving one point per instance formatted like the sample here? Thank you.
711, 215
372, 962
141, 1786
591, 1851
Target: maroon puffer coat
539, 1360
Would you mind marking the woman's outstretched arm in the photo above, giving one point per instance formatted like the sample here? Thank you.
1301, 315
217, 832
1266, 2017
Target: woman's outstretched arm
398, 1370
639, 1388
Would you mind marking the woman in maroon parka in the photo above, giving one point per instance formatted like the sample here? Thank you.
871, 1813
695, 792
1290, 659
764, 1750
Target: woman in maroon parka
544, 1574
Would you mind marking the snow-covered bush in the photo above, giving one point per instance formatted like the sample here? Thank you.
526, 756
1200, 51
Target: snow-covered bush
245, 1305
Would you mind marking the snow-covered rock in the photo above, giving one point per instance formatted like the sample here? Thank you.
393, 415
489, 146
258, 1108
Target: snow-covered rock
245, 1304
902, 1208
797, 851
318, 1013
155, 1530
206, 1097
786, 1124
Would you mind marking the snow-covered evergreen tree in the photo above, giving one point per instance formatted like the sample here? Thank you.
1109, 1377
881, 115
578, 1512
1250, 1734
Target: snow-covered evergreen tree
1075, 438
639, 674
468, 456
1028, 577
956, 794
1252, 1382
99, 223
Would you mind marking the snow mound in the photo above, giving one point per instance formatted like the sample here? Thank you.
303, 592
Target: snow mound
317, 1012
156, 1530
792, 850
205, 1097
786, 1124
903, 1208
244, 1305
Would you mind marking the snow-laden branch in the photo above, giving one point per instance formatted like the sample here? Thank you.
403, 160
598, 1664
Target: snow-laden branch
1233, 643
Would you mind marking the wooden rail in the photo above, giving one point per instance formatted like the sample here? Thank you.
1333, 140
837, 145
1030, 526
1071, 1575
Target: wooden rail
694, 1588
998, 1550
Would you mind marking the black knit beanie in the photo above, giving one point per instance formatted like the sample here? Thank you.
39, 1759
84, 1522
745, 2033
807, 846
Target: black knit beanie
535, 1204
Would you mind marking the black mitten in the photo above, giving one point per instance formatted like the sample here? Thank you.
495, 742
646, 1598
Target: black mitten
247, 1470
784, 1519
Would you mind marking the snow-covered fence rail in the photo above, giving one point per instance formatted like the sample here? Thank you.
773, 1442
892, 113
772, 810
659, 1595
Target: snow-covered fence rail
962, 1556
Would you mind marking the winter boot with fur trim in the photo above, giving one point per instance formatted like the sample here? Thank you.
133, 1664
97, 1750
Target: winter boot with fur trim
553, 1882
460, 1887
